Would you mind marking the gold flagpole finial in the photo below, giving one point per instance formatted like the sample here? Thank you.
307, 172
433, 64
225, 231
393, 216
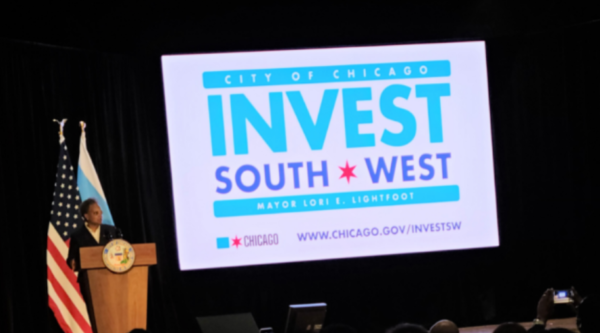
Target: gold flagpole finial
61, 124
82, 125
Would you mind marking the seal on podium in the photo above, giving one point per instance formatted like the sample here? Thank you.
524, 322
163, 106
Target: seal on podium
118, 256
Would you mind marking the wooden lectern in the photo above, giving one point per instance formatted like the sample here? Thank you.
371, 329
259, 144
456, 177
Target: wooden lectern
119, 300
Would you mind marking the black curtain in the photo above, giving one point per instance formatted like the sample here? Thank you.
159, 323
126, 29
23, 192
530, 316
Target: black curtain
120, 98
543, 96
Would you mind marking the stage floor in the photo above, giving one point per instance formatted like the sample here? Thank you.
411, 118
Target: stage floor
568, 323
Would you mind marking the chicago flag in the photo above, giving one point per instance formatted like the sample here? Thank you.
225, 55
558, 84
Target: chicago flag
88, 181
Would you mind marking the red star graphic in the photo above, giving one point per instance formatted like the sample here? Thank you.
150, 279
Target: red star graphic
237, 242
347, 172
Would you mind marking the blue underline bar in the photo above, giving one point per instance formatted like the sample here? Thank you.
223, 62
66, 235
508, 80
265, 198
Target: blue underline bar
331, 201
325, 74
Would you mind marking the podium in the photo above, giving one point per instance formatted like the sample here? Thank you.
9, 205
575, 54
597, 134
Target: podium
119, 300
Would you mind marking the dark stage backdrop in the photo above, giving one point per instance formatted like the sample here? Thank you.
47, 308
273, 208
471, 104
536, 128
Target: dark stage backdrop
121, 100
544, 91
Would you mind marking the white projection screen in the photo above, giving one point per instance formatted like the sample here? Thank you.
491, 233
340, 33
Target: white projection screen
287, 156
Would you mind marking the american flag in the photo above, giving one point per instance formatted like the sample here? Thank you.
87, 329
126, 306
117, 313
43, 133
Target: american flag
64, 295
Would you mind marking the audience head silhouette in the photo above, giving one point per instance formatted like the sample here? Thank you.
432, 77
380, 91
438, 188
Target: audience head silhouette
338, 328
407, 328
444, 326
510, 328
587, 314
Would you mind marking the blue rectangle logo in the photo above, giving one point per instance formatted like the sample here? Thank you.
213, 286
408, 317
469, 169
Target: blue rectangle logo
222, 242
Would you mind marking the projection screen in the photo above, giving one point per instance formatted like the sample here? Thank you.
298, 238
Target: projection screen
287, 156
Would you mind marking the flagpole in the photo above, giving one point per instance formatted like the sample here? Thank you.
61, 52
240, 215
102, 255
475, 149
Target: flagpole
62, 125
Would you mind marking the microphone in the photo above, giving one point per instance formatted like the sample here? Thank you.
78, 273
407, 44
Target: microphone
107, 235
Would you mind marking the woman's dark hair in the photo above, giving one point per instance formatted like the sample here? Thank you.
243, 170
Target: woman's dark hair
85, 206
